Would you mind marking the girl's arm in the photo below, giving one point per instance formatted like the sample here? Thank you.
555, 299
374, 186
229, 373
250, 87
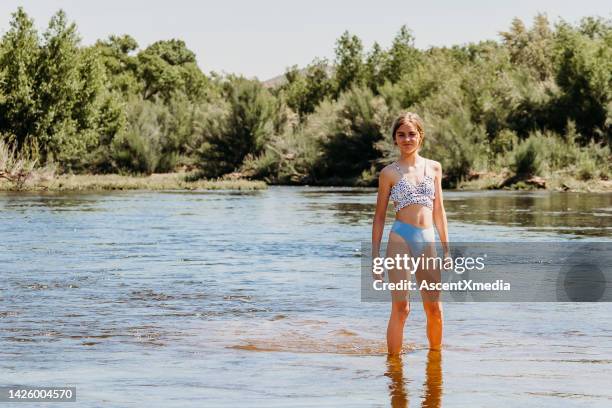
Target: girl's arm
382, 201
439, 214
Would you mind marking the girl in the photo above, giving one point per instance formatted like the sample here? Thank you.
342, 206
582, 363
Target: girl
414, 184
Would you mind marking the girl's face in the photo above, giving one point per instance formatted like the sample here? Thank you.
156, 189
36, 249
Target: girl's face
407, 138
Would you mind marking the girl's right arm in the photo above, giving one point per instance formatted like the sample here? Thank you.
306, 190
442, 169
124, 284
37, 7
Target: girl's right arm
382, 201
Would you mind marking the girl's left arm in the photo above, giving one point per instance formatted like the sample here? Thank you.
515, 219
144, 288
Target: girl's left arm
439, 214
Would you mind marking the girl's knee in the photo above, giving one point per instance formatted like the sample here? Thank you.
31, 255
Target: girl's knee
401, 309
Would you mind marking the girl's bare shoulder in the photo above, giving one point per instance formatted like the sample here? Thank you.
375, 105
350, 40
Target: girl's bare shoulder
388, 174
434, 165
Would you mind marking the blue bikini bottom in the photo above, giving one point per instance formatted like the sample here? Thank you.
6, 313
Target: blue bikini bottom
416, 238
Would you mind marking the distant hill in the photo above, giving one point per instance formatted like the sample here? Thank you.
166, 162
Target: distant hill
276, 81
281, 79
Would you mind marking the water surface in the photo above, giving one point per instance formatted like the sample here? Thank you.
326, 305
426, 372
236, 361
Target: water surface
220, 298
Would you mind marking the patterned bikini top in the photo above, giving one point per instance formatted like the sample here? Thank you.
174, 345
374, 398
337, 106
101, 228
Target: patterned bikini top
405, 193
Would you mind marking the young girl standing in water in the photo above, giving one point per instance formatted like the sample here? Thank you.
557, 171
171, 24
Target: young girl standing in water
413, 183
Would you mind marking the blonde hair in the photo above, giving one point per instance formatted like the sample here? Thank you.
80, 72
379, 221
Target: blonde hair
412, 118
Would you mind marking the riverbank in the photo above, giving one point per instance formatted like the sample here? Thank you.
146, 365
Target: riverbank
187, 181
167, 181
561, 181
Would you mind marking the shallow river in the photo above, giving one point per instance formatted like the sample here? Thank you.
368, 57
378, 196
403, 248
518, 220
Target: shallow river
221, 298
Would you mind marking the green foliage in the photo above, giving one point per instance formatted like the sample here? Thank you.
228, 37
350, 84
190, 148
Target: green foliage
138, 148
244, 130
336, 144
120, 65
587, 168
527, 157
538, 102
304, 91
166, 67
505, 142
347, 140
545, 153
349, 62
69, 81
456, 142
156, 136
531, 48
583, 74
288, 159
375, 61
53, 89
402, 57
19, 57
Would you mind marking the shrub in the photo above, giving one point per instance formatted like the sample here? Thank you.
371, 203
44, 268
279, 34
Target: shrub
138, 148
527, 157
586, 168
348, 143
19, 166
245, 128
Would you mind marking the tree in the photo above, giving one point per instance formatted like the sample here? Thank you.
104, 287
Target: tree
583, 73
375, 61
531, 48
169, 66
120, 65
19, 55
403, 57
245, 129
294, 91
348, 62
68, 83
348, 139
305, 90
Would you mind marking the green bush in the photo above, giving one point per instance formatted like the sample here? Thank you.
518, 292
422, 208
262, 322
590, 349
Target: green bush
539, 102
587, 168
138, 148
247, 125
348, 141
291, 157
527, 158
131, 154
504, 142
460, 145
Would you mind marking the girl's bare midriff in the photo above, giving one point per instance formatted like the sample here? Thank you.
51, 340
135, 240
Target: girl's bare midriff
416, 215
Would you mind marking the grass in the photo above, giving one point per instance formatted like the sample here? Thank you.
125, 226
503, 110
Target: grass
558, 181
167, 181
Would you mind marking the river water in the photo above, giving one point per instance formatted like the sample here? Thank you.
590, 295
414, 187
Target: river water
225, 298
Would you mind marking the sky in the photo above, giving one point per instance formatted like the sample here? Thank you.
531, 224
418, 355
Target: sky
261, 38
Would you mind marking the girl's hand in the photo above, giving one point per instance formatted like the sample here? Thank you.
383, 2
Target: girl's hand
377, 276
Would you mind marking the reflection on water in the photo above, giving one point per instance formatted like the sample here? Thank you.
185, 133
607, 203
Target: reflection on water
579, 214
433, 380
566, 213
399, 385
27, 201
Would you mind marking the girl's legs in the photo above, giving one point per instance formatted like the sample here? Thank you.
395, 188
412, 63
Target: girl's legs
402, 240
395, 328
431, 301
400, 302
435, 324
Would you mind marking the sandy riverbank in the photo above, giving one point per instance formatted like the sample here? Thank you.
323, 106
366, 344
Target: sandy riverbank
168, 181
